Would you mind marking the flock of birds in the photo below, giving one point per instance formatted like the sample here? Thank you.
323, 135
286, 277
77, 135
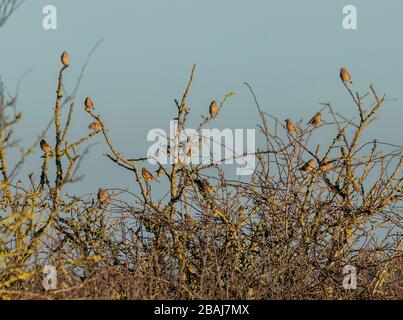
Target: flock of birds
317, 118
213, 110
316, 121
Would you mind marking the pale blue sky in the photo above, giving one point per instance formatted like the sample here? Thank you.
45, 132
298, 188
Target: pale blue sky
289, 51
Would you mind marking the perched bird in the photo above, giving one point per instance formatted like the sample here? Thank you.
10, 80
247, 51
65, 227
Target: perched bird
204, 186
290, 126
160, 172
340, 134
325, 165
188, 150
316, 119
45, 147
309, 166
188, 219
96, 126
65, 59
344, 75
148, 177
356, 186
89, 105
188, 147
213, 109
102, 195
343, 152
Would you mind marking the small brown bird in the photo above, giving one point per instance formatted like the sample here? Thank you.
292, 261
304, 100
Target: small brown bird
325, 165
188, 219
356, 186
45, 147
96, 126
309, 166
340, 134
290, 126
160, 172
188, 147
89, 105
204, 186
148, 177
65, 59
344, 75
343, 152
102, 195
316, 119
213, 109
188, 151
